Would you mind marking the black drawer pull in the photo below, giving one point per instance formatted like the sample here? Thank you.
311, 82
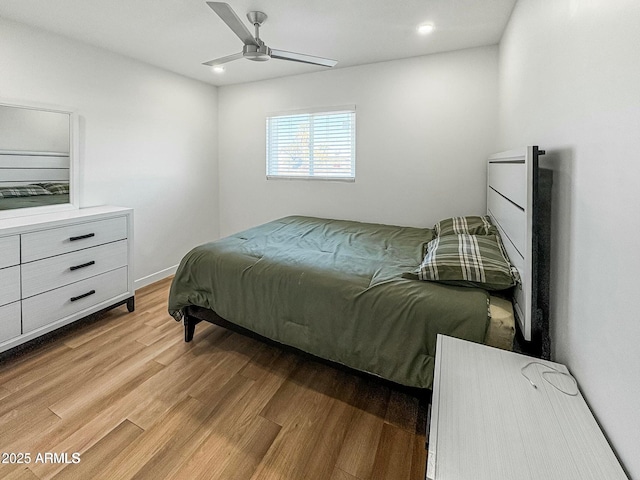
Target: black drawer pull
88, 235
91, 292
76, 267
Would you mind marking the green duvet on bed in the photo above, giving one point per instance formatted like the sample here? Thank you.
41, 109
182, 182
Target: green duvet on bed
334, 289
32, 201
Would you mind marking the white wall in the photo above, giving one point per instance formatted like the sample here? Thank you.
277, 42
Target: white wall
424, 129
570, 82
148, 137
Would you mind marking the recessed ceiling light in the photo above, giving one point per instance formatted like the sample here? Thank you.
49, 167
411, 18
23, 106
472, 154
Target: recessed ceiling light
425, 28
218, 68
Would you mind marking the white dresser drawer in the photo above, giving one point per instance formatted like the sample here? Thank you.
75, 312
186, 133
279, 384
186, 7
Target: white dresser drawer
56, 241
62, 302
9, 251
10, 326
9, 285
50, 273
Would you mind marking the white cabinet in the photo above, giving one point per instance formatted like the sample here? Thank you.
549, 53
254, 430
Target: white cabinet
492, 421
58, 268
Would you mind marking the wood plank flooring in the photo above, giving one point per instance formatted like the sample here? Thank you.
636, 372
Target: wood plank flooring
126, 393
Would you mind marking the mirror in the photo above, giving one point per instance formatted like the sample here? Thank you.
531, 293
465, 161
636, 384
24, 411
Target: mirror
36, 160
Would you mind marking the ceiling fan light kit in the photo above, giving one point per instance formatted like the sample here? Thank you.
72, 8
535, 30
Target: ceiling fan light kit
254, 48
425, 28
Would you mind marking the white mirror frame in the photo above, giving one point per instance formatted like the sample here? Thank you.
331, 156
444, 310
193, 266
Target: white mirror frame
74, 160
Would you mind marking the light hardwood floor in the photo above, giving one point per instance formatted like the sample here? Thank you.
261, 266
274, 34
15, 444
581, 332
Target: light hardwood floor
135, 401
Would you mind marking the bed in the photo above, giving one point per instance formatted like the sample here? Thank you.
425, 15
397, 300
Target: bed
33, 179
23, 200
340, 290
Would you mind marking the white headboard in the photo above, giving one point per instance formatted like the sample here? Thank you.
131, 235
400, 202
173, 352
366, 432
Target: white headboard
512, 197
20, 167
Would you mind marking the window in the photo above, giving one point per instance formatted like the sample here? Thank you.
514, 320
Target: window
312, 144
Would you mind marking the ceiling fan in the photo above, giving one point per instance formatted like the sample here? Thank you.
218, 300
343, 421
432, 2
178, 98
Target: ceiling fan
254, 48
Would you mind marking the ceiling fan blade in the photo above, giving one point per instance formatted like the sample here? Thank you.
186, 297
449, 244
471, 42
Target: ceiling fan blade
220, 61
228, 16
302, 58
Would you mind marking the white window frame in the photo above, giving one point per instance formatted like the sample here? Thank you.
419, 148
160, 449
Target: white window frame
312, 112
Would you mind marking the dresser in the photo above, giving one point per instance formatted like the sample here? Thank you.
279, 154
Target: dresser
489, 421
60, 267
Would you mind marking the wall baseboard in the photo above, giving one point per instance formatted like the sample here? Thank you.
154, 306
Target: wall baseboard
154, 277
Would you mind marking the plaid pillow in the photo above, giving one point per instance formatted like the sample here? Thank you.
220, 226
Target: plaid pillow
22, 191
468, 260
55, 188
471, 225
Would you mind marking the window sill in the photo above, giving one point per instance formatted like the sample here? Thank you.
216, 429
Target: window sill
322, 179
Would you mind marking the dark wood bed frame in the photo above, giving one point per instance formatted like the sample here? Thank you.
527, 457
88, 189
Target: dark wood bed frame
194, 315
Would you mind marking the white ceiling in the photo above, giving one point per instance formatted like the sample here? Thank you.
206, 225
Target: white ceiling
179, 35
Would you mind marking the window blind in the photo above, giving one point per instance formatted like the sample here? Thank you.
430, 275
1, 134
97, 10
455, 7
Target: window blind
312, 145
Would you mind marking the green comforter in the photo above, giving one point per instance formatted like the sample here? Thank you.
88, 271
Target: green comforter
335, 289
34, 201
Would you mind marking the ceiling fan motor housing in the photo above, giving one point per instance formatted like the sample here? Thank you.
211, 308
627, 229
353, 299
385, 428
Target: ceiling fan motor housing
261, 53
